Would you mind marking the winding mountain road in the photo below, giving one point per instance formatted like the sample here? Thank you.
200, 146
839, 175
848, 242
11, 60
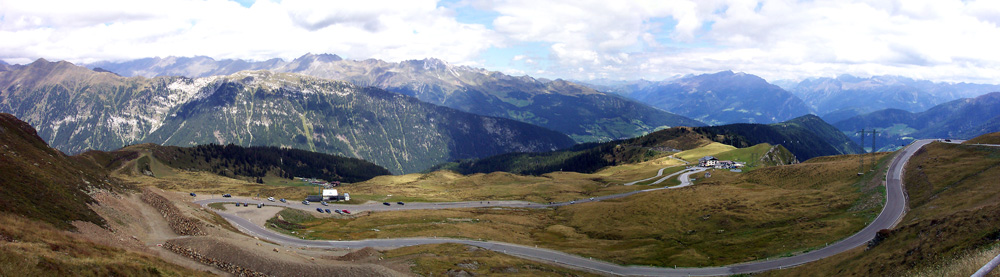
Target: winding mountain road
891, 214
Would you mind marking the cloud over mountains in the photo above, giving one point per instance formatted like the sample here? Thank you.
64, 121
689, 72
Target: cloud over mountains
581, 39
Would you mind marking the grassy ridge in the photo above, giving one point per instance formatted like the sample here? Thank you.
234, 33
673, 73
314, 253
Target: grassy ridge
991, 138
708, 150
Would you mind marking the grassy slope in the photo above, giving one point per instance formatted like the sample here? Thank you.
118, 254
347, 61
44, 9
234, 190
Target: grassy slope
727, 218
450, 186
954, 210
44, 184
42, 192
708, 150
31, 248
429, 260
991, 138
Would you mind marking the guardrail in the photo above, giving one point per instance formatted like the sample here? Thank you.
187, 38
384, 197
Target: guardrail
988, 267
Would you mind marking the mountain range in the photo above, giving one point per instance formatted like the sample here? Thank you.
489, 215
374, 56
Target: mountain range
962, 119
75, 109
582, 113
836, 99
727, 97
719, 98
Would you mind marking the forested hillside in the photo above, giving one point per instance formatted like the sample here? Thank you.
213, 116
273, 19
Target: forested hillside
259, 161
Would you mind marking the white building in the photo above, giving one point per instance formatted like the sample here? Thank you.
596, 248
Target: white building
707, 161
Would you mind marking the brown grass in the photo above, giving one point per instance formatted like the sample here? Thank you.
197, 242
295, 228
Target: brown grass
708, 150
991, 138
440, 259
555, 186
965, 265
38, 249
943, 178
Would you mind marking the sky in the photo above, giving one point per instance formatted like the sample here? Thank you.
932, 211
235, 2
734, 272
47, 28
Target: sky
939, 40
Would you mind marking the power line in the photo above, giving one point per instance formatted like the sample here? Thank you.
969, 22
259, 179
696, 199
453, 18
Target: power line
874, 133
861, 156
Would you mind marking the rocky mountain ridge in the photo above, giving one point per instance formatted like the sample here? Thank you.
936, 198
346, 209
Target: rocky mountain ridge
77, 109
582, 113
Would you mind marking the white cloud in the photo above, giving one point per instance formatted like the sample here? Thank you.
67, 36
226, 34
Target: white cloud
937, 39
948, 40
86, 31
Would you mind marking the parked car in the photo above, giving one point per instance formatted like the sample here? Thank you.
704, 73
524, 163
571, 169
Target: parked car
259, 205
324, 203
338, 211
237, 204
227, 195
246, 204
270, 199
386, 203
328, 211
346, 211
305, 202
319, 210
401, 203
192, 194
283, 200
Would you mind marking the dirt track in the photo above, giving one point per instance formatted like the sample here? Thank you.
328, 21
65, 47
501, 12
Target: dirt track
135, 225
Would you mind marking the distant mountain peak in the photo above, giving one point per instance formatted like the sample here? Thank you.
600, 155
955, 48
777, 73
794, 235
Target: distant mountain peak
320, 57
724, 73
432, 64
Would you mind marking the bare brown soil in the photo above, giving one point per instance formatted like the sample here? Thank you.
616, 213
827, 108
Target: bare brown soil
221, 250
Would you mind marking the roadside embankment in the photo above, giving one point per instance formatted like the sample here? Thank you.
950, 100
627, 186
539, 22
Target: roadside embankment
179, 223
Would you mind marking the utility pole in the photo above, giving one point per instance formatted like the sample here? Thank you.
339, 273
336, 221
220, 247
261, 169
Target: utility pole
861, 157
874, 133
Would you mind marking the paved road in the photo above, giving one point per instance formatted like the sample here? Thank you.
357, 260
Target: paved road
686, 177
658, 174
891, 213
